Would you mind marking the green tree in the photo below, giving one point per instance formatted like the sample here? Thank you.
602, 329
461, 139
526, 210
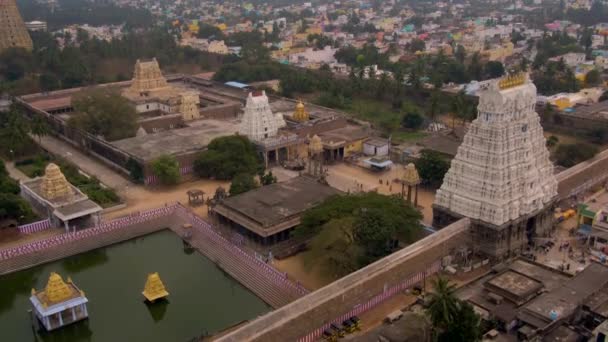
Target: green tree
242, 183
568, 155
465, 328
136, 171
552, 141
166, 168
460, 54
432, 167
433, 105
412, 120
104, 112
268, 178
14, 132
357, 229
593, 78
39, 127
443, 304
14, 207
494, 69
226, 157
475, 67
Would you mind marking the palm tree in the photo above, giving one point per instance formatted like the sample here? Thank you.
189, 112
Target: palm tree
39, 127
443, 304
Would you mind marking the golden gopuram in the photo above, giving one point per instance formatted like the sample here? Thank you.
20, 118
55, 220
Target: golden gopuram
410, 179
59, 304
13, 33
154, 288
54, 185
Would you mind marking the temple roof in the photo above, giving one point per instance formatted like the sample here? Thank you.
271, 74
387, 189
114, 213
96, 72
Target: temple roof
57, 291
410, 176
54, 185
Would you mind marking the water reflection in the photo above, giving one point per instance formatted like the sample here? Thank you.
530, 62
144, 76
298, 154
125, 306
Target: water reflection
157, 309
79, 263
15, 284
79, 331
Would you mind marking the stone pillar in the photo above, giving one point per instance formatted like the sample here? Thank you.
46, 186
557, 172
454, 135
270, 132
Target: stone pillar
66, 225
409, 194
60, 319
84, 309
73, 314
416, 196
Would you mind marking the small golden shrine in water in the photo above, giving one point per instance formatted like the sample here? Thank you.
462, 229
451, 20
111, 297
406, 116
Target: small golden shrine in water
154, 288
60, 303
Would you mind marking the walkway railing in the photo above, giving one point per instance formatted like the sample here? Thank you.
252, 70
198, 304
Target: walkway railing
35, 227
267, 270
375, 301
61, 239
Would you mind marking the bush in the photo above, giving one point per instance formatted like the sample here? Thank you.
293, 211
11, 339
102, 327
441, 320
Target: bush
166, 168
412, 120
242, 183
568, 155
432, 167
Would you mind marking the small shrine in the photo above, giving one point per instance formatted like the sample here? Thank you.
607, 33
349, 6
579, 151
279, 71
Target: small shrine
300, 115
410, 179
64, 204
59, 304
154, 288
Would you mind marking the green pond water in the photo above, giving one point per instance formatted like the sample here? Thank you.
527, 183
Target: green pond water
203, 299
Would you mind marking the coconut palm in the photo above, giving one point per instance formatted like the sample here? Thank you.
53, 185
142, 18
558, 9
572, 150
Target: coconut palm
39, 127
443, 304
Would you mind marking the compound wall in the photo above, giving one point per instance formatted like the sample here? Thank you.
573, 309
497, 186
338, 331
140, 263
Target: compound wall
308, 313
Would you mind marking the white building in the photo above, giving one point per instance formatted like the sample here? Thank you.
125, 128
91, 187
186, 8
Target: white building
571, 59
36, 25
258, 122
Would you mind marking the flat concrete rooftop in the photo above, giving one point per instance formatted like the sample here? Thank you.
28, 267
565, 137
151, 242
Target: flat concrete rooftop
515, 283
193, 138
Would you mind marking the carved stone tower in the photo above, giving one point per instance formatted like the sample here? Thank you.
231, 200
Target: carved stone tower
12, 29
501, 178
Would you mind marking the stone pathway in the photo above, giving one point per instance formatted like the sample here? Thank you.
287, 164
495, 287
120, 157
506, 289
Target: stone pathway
13, 172
86, 163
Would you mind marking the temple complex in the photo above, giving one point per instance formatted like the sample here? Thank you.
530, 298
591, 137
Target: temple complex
59, 304
180, 115
151, 93
501, 178
53, 196
12, 29
154, 288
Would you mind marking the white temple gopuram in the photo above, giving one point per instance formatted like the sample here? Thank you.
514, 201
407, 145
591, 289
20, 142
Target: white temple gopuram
258, 121
501, 178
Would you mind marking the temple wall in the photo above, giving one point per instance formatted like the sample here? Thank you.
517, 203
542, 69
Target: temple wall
326, 304
584, 176
221, 111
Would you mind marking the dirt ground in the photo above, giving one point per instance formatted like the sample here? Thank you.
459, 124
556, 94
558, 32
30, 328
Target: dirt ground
346, 177
312, 279
139, 198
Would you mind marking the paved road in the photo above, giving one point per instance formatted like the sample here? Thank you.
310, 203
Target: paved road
87, 164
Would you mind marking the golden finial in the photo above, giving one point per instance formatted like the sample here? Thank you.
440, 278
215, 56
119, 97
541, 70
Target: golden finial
56, 289
33, 291
511, 81
411, 176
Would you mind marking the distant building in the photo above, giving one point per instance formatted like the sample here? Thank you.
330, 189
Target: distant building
13, 32
36, 25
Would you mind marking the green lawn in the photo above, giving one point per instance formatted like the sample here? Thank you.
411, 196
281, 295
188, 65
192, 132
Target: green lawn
34, 167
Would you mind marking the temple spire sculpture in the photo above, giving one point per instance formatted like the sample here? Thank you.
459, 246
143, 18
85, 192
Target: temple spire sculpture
12, 29
501, 177
410, 179
258, 121
54, 185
